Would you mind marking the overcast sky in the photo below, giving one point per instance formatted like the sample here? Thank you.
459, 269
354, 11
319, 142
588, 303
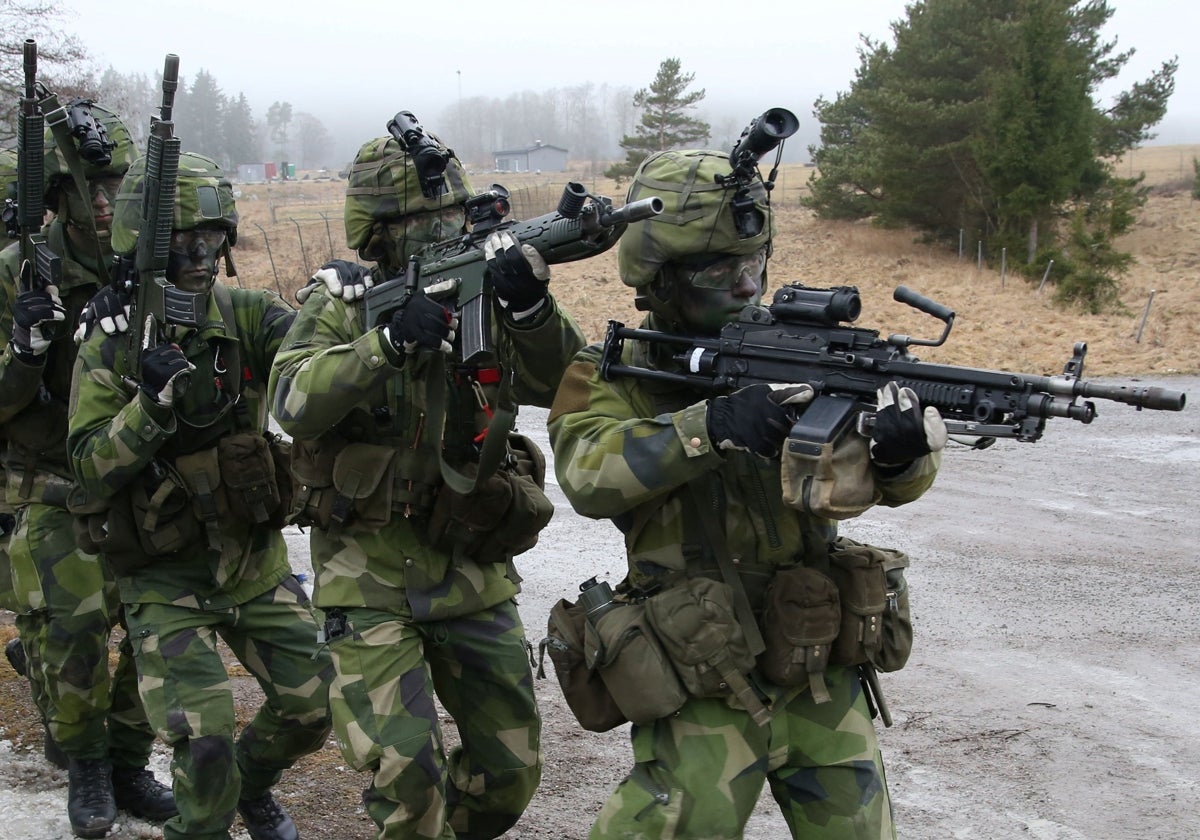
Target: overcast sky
354, 63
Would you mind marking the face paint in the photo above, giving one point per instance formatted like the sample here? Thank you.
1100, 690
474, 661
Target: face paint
192, 262
393, 242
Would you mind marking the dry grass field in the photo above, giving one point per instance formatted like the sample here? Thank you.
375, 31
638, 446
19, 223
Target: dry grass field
1002, 321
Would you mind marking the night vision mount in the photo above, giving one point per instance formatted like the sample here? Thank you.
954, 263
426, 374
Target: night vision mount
765, 132
428, 156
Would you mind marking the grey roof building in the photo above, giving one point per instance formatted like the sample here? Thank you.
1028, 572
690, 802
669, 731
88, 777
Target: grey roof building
539, 157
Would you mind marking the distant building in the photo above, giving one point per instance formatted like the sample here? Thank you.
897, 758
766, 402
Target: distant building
251, 173
540, 157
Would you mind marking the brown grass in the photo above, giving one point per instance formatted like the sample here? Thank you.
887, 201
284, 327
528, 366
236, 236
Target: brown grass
1001, 323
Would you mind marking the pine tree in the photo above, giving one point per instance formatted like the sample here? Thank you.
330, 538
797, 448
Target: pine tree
665, 122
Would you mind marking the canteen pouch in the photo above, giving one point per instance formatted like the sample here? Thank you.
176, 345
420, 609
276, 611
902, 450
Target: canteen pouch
585, 692
825, 467
631, 661
503, 516
801, 618
876, 623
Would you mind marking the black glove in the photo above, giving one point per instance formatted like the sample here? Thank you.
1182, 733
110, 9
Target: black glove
903, 433
756, 418
520, 276
165, 373
344, 279
109, 308
35, 314
422, 323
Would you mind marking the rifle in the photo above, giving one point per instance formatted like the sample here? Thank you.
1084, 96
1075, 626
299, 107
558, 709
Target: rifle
802, 337
583, 225
144, 275
40, 266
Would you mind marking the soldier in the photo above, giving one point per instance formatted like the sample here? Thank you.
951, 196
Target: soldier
694, 485
65, 598
169, 431
417, 581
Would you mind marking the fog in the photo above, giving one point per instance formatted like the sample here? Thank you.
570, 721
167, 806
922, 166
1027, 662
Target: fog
354, 63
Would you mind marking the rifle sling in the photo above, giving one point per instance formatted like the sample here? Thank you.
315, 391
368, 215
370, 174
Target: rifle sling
495, 441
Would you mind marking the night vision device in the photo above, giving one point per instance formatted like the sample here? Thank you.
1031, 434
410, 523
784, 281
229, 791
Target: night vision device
429, 157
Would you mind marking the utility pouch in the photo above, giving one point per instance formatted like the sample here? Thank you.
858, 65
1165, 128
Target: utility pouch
623, 648
247, 470
362, 483
801, 619
699, 630
39, 430
503, 516
825, 467
876, 624
585, 692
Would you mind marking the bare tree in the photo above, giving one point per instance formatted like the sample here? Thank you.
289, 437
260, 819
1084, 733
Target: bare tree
60, 56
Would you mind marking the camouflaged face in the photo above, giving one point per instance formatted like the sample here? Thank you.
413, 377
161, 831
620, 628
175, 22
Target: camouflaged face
123, 155
384, 186
697, 218
203, 198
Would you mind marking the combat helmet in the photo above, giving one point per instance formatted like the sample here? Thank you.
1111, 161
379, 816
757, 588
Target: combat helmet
102, 145
697, 218
384, 186
203, 199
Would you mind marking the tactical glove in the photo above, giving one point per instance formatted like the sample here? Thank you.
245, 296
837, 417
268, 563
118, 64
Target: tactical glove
903, 433
756, 418
342, 278
109, 308
165, 373
421, 324
519, 275
35, 313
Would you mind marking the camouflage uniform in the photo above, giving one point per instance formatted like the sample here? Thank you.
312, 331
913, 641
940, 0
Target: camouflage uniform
407, 620
634, 452
232, 580
65, 598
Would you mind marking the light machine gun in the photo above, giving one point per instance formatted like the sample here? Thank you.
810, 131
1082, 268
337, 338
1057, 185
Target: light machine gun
803, 336
455, 272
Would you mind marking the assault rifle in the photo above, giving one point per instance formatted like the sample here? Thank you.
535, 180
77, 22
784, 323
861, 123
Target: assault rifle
455, 271
144, 275
40, 266
802, 337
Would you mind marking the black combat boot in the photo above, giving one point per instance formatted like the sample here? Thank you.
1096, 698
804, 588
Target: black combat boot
90, 805
14, 652
137, 791
265, 819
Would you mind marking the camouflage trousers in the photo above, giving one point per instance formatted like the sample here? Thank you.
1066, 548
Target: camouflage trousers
388, 671
66, 604
698, 774
190, 703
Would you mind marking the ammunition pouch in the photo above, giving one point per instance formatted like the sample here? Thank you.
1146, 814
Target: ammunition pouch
833, 480
876, 621
340, 483
801, 619
584, 690
623, 648
503, 516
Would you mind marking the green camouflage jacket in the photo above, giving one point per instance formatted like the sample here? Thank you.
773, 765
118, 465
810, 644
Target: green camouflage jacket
631, 450
117, 433
33, 398
333, 379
